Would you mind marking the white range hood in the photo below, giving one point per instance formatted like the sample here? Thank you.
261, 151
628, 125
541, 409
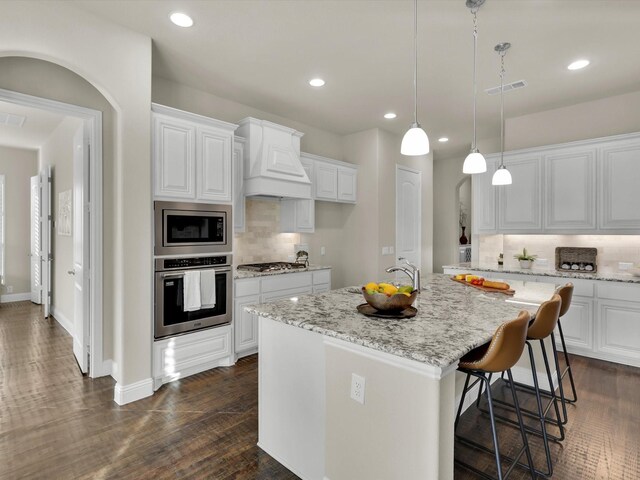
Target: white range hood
272, 160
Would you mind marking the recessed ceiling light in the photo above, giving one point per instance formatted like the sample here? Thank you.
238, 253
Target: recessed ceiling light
181, 19
443, 139
390, 116
316, 82
578, 64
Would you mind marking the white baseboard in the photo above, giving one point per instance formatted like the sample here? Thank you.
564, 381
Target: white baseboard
123, 394
15, 297
62, 319
107, 368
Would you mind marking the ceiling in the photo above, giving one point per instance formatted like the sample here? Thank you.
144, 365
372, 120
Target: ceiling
37, 127
263, 52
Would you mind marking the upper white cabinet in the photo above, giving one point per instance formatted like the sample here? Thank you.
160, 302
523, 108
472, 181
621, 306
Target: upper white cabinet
297, 216
570, 180
520, 204
347, 184
238, 185
619, 180
581, 187
326, 181
332, 180
192, 156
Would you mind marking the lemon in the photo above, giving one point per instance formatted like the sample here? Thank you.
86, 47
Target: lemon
371, 286
389, 290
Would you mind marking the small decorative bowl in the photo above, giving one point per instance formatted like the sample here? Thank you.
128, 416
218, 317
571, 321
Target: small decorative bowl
396, 303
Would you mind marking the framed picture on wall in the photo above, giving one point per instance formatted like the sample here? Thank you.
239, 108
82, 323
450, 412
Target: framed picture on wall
64, 213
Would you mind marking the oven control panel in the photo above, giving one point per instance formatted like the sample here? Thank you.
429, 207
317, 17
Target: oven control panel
192, 262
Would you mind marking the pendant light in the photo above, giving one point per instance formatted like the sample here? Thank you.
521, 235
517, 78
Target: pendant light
502, 176
415, 141
475, 162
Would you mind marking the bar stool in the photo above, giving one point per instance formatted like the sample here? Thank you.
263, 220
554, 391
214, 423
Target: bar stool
540, 329
497, 356
566, 293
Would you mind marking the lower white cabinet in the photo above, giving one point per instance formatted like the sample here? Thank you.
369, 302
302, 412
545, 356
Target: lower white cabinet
577, 326
618, 331
270, 288
183, 355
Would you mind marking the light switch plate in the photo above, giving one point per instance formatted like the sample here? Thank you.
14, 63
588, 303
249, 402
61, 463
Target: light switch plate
542, 262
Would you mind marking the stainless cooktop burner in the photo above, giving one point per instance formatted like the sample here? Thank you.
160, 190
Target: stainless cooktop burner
270, 266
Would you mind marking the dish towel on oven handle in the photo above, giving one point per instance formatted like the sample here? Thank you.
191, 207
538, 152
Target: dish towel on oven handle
191, 291
208, 288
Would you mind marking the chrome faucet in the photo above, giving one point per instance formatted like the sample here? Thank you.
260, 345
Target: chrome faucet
413, 272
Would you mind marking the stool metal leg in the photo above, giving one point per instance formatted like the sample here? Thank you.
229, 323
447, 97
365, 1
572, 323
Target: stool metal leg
568, 369
552, 390
522, 431
464, 393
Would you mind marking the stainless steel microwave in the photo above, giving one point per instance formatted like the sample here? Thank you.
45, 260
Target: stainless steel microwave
183, 228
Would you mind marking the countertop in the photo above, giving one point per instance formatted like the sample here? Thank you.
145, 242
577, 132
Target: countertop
608, 276
248, 274
452, 318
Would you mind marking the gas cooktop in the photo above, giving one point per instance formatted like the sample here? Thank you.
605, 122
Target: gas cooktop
271, 266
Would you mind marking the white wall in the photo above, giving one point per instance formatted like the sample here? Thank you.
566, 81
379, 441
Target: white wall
18, 166
117, 62
57, 152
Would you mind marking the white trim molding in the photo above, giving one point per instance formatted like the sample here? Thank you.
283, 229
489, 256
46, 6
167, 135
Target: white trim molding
123, 394
15, 297
62, 319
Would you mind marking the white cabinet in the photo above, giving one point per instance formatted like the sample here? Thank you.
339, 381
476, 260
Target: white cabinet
520, 204
618, 186
192, 156
570, 176
618, 331
238, 185
577, 325
269, 288
484, 200
297, 216
174, 157
347, 184
326, 181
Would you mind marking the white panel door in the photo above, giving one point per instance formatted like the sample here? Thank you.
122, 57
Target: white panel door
174, 158
619, 180
36, 232
408, 214
570, 190
45, 238
326, 181
238, 190
347, 184
484, 200
80, 254
520, 204
213, 159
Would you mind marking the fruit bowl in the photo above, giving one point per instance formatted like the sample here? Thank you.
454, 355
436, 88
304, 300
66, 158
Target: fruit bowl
393, 303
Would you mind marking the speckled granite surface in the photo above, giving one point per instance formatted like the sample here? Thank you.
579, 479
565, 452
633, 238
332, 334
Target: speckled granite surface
245, 274
544, 272
452, 318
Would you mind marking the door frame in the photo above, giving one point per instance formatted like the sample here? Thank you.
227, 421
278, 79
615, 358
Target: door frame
93, 125
419, 173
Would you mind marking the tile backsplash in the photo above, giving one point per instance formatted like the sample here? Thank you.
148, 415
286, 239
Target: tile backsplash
262, 241
612, 249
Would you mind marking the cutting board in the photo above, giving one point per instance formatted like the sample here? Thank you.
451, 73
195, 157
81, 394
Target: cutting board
510, 291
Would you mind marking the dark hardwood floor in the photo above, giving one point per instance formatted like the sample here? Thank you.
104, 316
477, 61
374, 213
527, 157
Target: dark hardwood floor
56, 424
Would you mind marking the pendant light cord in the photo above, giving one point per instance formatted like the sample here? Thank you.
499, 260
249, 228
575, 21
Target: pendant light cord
502, 54
415, 60
475, 88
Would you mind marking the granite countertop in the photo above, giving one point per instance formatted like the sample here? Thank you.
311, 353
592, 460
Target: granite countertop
609, 276
452, 318
248, 274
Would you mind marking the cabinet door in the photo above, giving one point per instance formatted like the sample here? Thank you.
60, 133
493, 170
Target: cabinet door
347, 184
619, 179
618, 331
286, 294
214, 152
245, 324
326, 181
484, 200
305, 216
577, 326
570, 190
238, 190
321, 288
173, 158
520, 204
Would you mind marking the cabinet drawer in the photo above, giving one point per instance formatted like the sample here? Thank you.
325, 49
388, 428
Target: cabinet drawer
322, 276
286, 281
249, 286
619, 291
286, 294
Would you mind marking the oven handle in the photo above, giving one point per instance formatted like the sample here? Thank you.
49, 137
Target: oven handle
181, 274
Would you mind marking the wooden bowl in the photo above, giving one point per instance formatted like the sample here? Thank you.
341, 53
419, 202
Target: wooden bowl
382, 303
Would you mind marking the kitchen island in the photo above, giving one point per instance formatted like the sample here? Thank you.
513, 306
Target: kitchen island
311, 346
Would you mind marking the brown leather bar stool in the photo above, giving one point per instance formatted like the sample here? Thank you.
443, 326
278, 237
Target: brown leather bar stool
566, 293
541, 328
497, 356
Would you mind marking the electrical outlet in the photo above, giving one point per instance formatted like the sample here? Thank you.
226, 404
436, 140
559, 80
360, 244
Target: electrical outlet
542, 262
357, 388
385, 250
322, 251
9, 288
391, 250
625, 265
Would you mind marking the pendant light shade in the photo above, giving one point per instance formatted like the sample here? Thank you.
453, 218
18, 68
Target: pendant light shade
415, 141
475, 162
502, 176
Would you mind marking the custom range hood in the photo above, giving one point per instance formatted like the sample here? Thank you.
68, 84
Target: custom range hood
272, 160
